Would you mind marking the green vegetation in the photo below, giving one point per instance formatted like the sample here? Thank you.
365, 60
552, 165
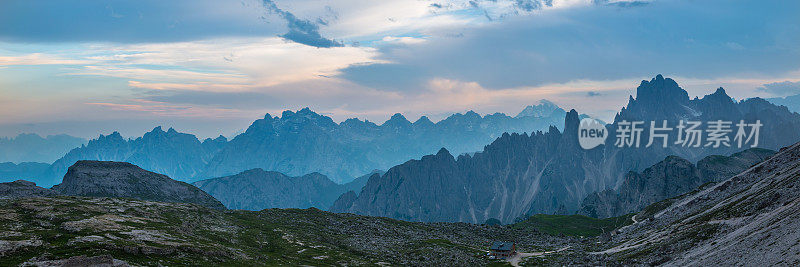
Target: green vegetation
154, 233
574, 225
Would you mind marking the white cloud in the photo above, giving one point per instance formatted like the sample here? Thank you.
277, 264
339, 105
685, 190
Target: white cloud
229, 64
39, 59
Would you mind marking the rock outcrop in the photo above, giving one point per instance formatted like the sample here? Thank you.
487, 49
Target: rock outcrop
125, 180
22, 188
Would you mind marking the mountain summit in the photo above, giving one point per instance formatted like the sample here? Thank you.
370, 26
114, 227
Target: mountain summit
122, 179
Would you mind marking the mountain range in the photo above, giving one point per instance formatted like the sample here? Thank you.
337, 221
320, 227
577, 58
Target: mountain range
298, 143
168, 152
548, 172
303, 142
748, 219
29, 147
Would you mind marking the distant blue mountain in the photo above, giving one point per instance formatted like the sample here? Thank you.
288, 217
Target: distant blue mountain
30, 171
257, 189
303, 142
174, 154
34, 148
792, 102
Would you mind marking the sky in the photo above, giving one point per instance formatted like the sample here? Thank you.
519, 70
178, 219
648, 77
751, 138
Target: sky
211, 67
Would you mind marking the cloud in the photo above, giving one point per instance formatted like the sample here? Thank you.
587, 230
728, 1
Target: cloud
783, 88
600, 42
39, 59
226, 64
169, 110
301, 30
593, 93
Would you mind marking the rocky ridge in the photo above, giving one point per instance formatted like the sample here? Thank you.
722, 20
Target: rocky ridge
122, 179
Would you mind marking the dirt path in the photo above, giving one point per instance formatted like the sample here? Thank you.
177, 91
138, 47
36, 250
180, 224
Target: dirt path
514, 260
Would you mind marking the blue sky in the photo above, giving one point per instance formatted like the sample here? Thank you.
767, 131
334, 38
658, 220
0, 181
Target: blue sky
211, 67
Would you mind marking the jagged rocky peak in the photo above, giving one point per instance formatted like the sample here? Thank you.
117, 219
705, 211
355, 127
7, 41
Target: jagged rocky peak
443, 153
113, 136
424, 121
306, 116
219, 139
659, 98
471, 114
661, 90
571, 122
719, 96
397, 120
543, 109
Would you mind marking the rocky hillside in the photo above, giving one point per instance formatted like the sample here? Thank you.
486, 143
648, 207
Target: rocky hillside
22, 188
754, 215
671, 177
82, 231
122, 179
548, 172
257, 189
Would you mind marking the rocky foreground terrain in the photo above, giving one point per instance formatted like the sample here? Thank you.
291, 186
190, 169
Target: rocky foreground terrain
751, 219
81, 230
753, 215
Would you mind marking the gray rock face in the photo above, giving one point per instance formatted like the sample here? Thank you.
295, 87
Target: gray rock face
750, 219
257, 189
669, 178
21, 188
519, 175
175, 154
125, 180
